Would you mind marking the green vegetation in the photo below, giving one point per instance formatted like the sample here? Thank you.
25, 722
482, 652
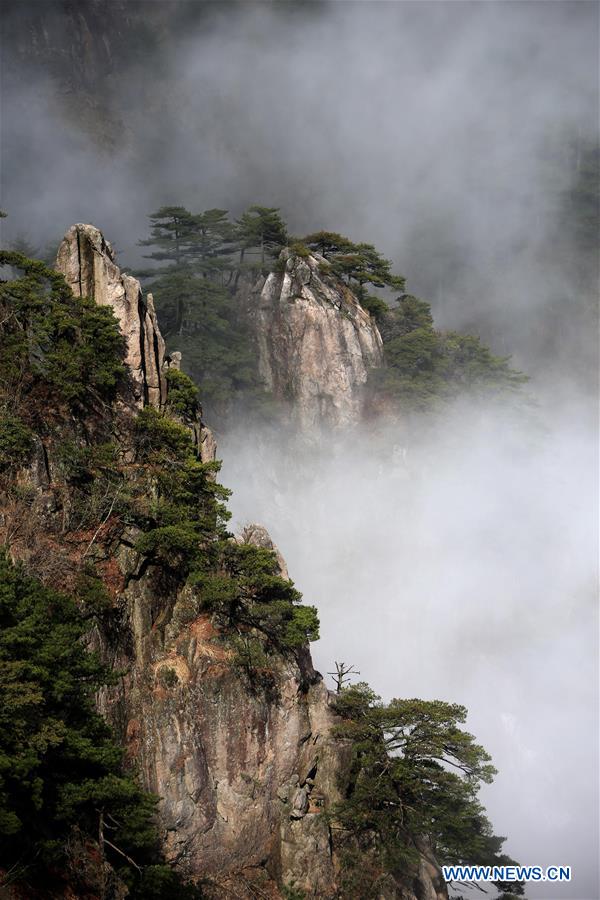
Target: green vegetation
412, 788
61, 772
179, 505
184, 529
95, 486
16, 441
289, 892
424, 366
55, 347
358, 264
241, 586
375, 306
182, 395
261, 227
200, 259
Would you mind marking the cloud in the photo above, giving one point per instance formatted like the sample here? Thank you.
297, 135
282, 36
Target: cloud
442, 132
463, 568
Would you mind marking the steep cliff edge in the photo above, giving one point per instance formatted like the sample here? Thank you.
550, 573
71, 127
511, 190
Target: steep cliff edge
87, 262
228, 723
316, 343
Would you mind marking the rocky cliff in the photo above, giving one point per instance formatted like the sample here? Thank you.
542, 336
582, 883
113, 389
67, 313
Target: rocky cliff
316, 343
235, 770
245, 769
86, 260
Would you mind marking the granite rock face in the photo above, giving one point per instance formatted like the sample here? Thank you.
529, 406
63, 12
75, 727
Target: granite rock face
87, 261
229, 764
243, 771
316, 343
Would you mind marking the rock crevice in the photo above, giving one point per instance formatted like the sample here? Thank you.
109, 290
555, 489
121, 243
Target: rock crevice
87, 261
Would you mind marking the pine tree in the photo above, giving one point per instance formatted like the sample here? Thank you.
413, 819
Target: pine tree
413, 783
261, 227
52, 340
60, 768
171, 233
359, 264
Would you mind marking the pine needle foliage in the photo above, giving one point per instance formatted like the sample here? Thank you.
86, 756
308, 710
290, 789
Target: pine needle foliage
61, 772
54, 343
413, 782
425, 367
240, 584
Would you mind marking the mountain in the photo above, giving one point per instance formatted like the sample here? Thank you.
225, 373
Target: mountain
217, 704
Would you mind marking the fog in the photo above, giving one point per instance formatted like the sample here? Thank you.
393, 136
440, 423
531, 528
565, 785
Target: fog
445, 133
458, 562
461, 564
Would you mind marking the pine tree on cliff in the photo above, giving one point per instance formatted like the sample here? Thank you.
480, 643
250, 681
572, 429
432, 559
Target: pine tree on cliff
195, 296
261, 227
426, 366
412, 789
202, 243
171, 233
214, 242
51, 339
359, 264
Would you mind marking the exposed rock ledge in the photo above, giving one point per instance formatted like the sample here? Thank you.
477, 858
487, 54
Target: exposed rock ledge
316, 343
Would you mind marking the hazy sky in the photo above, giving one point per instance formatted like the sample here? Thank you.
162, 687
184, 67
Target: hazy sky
445, 133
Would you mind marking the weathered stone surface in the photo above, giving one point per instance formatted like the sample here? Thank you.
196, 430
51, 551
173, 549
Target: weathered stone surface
244, 773
218, 753
316, 343
207, 445
87, 261
259, 536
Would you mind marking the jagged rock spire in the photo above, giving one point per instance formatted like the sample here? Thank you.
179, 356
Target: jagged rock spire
87, 261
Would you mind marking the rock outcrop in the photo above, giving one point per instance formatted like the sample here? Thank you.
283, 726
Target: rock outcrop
244, 766
260, 537
230, 765
87, 261
242, 772
316, 343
